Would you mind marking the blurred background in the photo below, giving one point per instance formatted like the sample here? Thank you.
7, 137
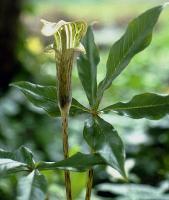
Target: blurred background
22, 57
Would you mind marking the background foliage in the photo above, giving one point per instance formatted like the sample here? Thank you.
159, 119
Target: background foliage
146, 142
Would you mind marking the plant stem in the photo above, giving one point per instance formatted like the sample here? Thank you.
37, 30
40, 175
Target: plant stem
64, 115
89, 184
64, 72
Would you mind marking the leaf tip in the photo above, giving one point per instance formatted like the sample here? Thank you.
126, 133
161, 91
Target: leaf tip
165, 4
13, 84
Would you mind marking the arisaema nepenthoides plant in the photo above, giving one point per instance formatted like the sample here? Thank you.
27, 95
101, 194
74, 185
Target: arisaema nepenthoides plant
104, 142
66, 45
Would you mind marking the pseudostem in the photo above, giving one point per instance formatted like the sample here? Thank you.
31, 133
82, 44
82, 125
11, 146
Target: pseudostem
64, 72
64, 115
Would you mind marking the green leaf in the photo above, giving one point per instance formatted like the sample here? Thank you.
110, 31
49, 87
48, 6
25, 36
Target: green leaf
20, 160
77, 108
45, 97
137, 191
87, 66
103, 139
8, 166
147, 105
32, 187
136, 38
77, 162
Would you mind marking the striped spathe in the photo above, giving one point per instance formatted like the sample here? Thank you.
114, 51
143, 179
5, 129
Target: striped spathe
67, 35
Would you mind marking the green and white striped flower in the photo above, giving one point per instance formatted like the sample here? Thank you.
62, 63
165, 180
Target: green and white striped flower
67, 35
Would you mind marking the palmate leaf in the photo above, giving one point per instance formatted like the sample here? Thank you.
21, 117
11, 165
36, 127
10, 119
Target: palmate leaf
32, 187
103, 139
77, 162
147, 105
136, 38
20, 160
45, 97
87, 66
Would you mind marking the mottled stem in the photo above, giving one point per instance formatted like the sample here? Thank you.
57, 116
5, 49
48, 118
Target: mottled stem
89, 184
64, 72
66, 153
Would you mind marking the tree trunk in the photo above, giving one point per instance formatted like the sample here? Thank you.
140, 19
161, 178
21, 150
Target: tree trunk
9, 20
